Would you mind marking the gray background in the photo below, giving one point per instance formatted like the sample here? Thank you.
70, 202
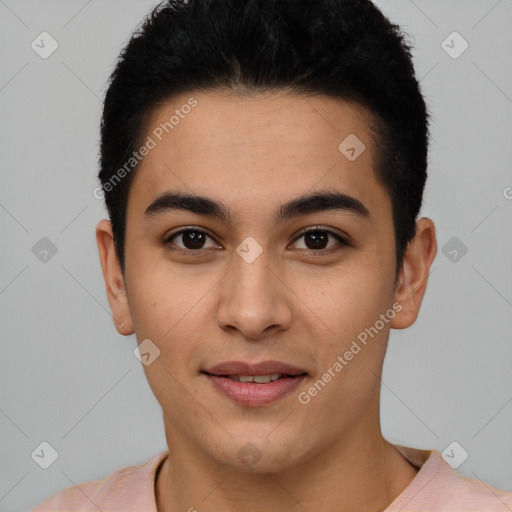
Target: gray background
69, 379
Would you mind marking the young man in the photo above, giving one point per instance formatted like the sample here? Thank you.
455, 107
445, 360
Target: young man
263, 164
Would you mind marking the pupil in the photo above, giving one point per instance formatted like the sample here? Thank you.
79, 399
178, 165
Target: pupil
318, 239
193, 239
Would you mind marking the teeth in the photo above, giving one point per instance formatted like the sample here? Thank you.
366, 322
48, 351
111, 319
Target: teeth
262, 379
259, 379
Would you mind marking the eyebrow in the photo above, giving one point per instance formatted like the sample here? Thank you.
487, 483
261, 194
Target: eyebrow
319, 201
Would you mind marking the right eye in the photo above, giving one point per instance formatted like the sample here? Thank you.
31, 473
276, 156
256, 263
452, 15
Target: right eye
190, 240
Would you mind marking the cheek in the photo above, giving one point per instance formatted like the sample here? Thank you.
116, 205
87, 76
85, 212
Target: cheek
348, 298
172, 307
162, 296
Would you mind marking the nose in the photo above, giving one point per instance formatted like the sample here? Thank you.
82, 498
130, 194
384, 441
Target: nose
254, 301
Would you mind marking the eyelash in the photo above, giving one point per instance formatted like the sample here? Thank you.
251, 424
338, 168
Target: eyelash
342, 242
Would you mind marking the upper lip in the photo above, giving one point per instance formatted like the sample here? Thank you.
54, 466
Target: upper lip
262, 368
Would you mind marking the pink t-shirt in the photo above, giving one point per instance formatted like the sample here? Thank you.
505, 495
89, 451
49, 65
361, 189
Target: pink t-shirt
437, 487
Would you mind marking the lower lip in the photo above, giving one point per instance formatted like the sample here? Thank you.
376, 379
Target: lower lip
252, 393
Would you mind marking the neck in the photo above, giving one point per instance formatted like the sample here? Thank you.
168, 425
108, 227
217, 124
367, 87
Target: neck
362, 471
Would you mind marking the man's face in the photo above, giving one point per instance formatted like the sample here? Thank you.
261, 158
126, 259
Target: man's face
253, 288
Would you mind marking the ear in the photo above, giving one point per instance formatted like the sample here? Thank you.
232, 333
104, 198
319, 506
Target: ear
114, 280
412, 282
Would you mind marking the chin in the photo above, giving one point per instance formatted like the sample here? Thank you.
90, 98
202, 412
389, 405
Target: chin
259, 455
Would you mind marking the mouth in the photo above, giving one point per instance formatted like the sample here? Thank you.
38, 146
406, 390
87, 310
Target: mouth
255, 384
259, 379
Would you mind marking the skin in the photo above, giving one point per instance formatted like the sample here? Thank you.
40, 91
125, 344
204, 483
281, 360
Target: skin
253, 154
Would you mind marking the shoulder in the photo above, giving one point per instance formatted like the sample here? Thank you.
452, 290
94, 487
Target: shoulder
438, 487
129, 488
473, 494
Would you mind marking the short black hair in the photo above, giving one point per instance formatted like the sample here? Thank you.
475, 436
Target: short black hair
344, 49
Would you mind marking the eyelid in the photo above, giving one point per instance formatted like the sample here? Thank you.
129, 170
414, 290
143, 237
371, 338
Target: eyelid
343, 237
183, 229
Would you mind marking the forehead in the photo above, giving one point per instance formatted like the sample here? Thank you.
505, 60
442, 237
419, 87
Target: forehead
258, 148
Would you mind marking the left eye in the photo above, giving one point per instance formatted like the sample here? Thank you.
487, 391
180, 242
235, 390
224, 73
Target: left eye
318, 239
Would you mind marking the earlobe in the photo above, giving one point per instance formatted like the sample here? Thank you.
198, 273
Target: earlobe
113, 277
412, 282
